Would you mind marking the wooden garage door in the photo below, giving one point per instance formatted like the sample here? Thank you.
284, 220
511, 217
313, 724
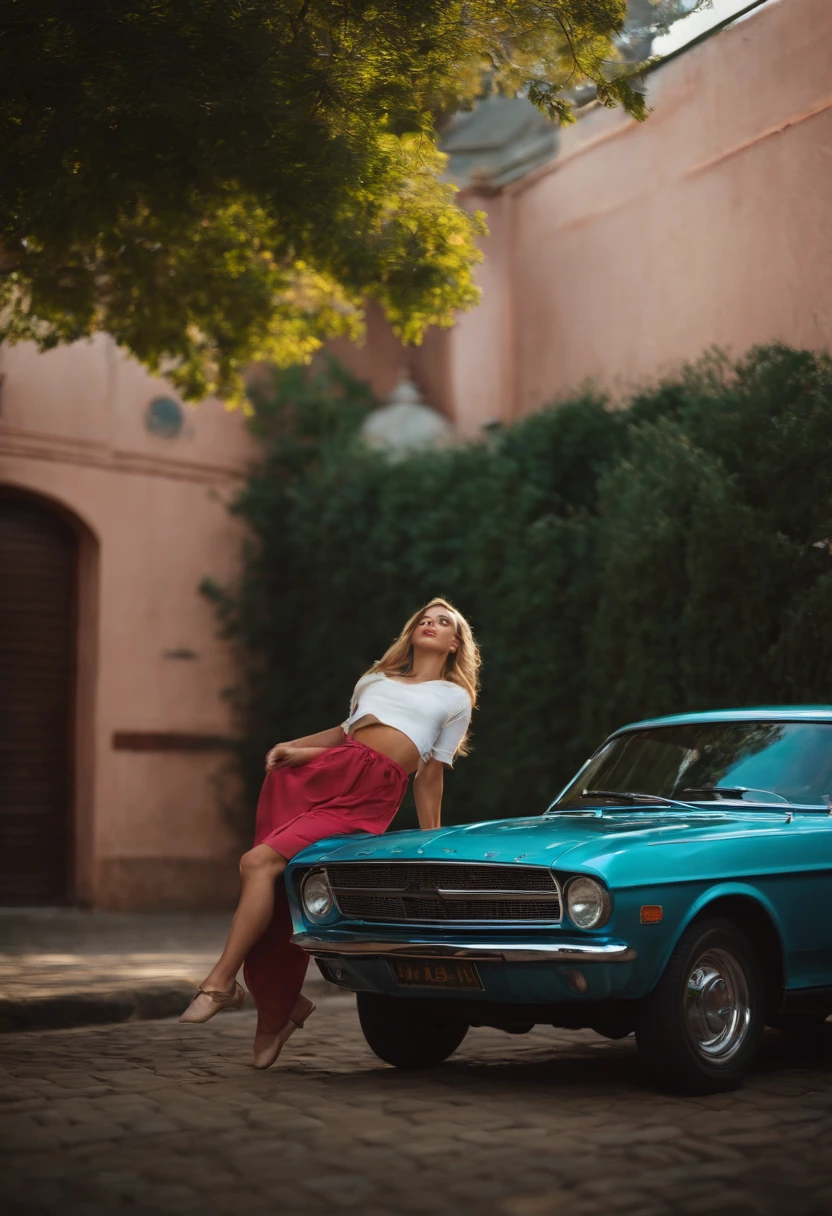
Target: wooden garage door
37, 559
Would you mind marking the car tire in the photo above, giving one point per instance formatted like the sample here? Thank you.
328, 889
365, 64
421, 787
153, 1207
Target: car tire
409, 1033
700, 1028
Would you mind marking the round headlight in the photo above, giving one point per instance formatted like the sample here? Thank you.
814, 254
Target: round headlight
316, 895
587, 903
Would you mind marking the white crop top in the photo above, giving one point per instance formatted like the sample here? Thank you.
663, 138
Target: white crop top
434, 714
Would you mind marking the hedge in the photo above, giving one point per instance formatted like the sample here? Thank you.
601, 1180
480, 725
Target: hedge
615, 563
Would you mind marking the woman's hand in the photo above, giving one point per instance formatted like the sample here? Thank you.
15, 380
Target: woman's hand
284, 755
275, 754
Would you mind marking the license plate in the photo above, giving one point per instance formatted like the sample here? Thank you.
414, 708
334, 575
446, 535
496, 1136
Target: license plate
426, 973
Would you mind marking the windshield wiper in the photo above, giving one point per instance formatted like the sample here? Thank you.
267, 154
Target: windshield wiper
734, 791
634, 798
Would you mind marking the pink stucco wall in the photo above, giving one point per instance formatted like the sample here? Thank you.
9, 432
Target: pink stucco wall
148, 827
381, 359
639, 246
642, 245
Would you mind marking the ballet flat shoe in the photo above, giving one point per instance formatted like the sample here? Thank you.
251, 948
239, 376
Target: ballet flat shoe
208, 1001
297, 1018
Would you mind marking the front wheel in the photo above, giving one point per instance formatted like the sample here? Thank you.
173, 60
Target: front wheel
701, 1026
409, 1033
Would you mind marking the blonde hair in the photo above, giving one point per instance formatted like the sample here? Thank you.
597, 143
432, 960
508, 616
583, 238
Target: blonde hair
462, 667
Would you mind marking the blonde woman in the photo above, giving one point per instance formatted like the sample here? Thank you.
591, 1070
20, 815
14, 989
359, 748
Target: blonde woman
409, 714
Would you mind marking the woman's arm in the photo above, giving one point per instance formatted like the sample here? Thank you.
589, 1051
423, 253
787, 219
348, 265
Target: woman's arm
427, 791
301, 751
324, 738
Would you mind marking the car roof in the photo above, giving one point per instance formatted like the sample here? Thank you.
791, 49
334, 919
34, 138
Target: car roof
760, 713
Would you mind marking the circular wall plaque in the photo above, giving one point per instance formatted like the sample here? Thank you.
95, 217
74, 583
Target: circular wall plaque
164, 417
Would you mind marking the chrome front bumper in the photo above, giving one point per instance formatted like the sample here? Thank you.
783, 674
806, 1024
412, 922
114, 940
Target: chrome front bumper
347, 945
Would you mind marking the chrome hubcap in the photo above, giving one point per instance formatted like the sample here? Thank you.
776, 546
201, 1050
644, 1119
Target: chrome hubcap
717, 1009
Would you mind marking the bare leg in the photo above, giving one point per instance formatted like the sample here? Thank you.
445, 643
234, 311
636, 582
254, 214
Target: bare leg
259, 870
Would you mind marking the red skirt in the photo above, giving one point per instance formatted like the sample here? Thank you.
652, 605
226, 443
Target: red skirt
349, 788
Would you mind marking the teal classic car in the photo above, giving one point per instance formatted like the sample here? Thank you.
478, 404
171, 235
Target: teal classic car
679, 888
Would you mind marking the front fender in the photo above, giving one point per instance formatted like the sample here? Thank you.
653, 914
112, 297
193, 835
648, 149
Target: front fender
657, 959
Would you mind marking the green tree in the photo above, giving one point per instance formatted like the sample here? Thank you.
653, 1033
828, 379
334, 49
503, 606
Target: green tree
218, 181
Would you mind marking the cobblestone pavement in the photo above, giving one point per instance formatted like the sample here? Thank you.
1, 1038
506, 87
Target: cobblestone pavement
161, 1118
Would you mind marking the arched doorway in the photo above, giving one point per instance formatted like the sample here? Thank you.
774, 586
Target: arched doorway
38, 591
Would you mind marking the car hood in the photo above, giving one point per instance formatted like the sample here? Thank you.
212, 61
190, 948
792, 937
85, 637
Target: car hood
574, 841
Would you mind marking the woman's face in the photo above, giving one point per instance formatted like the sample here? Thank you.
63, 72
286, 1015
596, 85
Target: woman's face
435, 631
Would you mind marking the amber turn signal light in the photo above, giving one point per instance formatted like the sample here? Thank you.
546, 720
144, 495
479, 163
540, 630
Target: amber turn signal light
651, 914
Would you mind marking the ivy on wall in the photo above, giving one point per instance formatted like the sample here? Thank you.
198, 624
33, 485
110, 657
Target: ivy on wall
615, 564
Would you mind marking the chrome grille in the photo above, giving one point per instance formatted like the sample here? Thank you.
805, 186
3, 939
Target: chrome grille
444, 891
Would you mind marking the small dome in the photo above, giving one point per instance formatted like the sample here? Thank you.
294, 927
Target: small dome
406, 424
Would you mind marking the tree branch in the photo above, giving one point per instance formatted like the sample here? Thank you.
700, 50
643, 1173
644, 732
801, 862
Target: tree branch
298, 21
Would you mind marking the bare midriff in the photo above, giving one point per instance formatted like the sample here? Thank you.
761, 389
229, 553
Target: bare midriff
387, 740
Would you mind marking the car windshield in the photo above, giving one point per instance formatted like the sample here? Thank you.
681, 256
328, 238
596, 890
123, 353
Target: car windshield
752, 762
